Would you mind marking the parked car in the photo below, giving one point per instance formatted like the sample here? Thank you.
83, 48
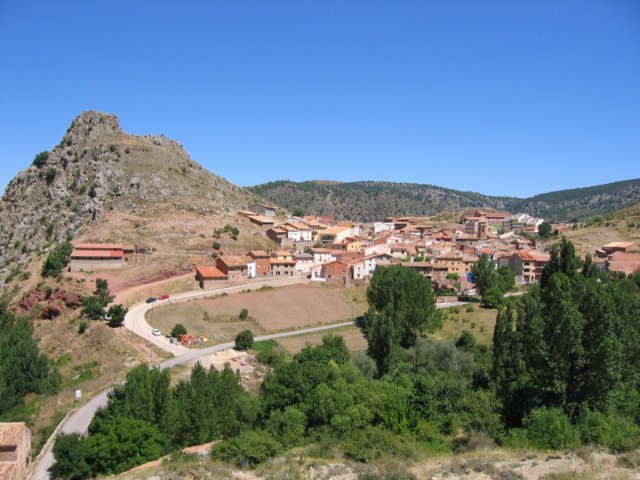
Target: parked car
151, 299
163, 297
156, 332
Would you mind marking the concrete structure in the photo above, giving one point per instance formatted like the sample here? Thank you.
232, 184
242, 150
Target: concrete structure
623, 262
100, 256
304, 262
282, 264
15, 450
209, 276
333, 235
323, 255
526, 264
623, 247
268, 211
517, 223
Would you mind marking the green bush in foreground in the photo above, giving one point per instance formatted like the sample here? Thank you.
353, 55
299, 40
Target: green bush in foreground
247, 449
244, 340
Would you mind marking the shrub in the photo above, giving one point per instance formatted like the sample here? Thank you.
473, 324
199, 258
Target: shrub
178, 330
466, 341
247, 449
244, 314
50, 175
371, 443
272, 357
550, 429
57, 260
244, 340
41, 159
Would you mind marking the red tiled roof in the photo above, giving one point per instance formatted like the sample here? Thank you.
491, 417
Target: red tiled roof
10, 433
236, 261
96, 253
209, 271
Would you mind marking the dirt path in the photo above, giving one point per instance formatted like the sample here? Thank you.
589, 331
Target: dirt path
124, 296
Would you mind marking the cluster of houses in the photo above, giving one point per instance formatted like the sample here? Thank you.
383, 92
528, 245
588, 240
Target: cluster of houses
345, 252
619, 257
348, 252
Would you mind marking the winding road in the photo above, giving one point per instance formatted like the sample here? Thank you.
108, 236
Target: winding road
135, 321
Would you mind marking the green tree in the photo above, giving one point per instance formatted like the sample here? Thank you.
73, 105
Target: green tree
71, 454
178, 330
92, 308
484, 274
244, 340
562, 259
23, 369
492, 297
123, 443
102, 292
506, 279
407, 298
545, 230
57, 259
116, 314
383, 338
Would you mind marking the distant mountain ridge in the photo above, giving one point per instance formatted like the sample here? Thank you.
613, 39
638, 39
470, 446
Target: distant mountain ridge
373, 200
97, 167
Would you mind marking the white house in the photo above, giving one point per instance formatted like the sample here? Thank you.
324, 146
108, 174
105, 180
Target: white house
251, 269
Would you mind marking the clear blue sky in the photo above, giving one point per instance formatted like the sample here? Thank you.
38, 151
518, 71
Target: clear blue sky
500, 97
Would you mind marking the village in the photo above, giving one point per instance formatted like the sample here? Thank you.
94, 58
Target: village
347, 253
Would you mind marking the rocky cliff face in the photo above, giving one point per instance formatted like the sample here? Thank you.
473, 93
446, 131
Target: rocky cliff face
98, 167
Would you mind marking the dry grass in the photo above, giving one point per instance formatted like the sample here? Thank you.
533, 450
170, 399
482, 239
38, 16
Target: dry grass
272, 310
480, 322
352, 337
621, 226
89, 362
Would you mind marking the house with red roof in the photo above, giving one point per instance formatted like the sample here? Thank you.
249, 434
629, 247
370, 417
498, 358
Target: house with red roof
100, 256
209, 276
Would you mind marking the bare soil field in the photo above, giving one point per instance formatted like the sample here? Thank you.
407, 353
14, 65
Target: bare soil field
352, 337
271, 310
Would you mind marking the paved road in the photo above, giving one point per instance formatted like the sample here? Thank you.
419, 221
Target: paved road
135, 321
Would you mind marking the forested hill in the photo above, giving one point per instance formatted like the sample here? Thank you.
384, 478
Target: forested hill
369, 200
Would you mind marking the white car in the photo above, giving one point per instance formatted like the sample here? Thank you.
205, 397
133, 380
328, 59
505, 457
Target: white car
156, 332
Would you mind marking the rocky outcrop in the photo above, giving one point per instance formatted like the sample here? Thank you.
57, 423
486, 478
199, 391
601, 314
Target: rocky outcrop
97, 167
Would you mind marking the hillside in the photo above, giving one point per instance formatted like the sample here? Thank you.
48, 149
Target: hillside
623, 225
98, 169
367, 201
